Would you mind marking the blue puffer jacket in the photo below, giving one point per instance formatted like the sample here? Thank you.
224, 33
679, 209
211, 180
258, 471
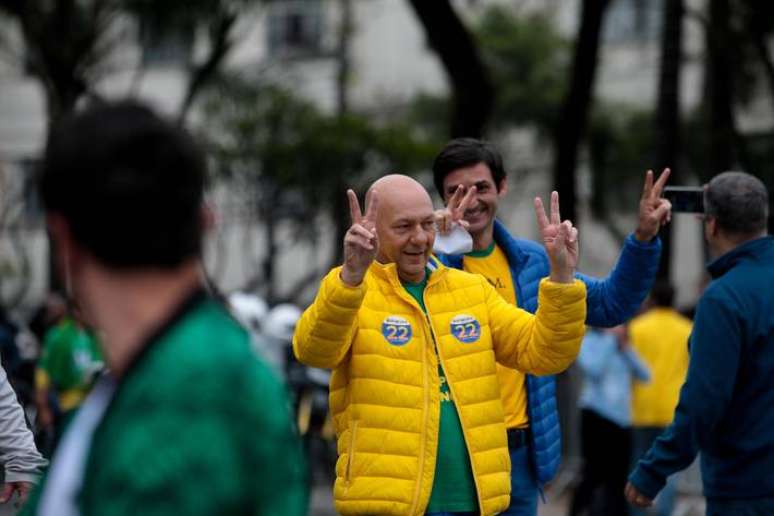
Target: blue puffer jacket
611, 301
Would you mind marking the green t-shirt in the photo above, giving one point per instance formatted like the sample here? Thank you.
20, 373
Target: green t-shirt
71, 356
197, 426
454, 489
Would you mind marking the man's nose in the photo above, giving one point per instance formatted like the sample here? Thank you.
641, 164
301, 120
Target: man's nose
418, 235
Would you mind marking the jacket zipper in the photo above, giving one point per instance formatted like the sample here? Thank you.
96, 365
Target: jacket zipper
351, 455
459, 413
425, 415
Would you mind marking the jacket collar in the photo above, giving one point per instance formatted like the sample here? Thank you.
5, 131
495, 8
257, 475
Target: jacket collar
389, 272
516, 257
751, 249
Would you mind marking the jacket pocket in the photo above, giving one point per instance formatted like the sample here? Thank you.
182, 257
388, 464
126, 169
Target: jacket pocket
351, 451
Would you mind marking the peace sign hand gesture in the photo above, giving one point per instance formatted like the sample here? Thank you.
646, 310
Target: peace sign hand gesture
360, 243
447, 218
560, 239
655, 211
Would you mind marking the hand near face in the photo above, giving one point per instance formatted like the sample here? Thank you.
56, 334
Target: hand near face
655, 211
360, 243
446, 218
560, 240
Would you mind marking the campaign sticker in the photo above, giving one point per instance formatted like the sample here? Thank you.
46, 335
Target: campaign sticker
397, 330
465, 328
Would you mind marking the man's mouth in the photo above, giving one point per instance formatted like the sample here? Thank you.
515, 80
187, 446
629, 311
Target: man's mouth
475, 212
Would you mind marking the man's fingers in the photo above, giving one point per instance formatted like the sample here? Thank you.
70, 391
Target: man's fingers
359, 241
663, 212
456, 197
359, 230
443, 218
556, 217
642, 501
467, 201
634, 497
562, 236
7, 492
372, 203
540, 214
573, 235
659, 186
354, 207
24, 493
648, 187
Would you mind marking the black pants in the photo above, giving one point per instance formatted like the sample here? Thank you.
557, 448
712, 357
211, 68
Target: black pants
606, 449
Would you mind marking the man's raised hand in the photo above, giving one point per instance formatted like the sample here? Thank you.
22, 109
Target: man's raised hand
560, 239
454, 213
360, 243
655, 211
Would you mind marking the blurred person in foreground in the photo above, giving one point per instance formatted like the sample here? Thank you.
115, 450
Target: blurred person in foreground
609, 364
660, 337
187, 420
413, 345
470, 177
23, 465
726, 406
70, 362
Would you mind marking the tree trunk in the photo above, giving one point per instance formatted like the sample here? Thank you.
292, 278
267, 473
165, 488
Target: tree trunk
720, 89
667, 128
576, 105
472, 90
338, 201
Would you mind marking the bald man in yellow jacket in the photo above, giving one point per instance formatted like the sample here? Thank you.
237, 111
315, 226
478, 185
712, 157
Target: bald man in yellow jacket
413, 345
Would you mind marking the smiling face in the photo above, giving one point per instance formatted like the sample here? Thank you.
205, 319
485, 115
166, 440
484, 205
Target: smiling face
483, 209
405, 225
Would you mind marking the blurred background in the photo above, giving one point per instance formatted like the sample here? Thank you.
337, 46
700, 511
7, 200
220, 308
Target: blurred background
297, 100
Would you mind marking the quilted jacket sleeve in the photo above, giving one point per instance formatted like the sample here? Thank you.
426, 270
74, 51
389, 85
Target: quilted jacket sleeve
544, 343
326, 329
615, 299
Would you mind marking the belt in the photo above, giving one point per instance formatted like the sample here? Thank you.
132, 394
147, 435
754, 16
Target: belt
517, 437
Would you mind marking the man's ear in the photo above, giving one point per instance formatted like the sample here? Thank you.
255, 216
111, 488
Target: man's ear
208, 217
712, 227
62, 244
502, 188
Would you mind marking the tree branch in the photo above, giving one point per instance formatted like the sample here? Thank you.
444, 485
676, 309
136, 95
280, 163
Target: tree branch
471, 85
220, 31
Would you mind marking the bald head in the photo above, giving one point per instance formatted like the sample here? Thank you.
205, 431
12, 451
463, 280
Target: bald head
394, 187
405, 225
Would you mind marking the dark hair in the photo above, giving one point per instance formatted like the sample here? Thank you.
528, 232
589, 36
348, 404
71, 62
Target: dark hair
739, 202
662, 294
129, 184
467, 152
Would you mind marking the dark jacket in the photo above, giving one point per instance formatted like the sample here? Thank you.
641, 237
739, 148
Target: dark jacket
610, 302
726, 407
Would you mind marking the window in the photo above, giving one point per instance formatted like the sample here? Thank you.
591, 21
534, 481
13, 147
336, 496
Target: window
170, 46
295, 28
634, 21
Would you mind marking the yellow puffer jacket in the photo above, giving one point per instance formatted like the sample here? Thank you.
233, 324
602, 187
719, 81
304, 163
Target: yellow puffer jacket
385, 392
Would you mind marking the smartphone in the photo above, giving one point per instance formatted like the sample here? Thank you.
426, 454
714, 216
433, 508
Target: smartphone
685, 199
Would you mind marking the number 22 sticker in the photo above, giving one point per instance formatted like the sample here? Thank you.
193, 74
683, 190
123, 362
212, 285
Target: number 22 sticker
396, 330
465, 328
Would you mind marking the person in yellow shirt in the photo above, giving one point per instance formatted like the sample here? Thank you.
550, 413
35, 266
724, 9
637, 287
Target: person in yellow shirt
660, 338
413, 345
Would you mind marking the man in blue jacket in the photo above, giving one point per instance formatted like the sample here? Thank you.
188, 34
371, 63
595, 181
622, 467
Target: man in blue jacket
726, 407
474, 169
